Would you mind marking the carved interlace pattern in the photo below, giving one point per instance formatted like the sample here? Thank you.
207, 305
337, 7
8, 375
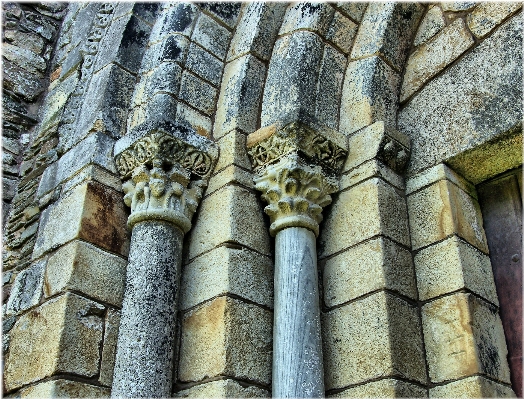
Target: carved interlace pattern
297, 137
171, 150
393, 154
165, 195
296, 193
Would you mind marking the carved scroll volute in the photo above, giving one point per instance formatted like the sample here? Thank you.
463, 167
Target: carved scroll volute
297, 171
165, 177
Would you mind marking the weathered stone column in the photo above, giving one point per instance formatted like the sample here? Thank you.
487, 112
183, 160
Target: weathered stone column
297, 167
165, 172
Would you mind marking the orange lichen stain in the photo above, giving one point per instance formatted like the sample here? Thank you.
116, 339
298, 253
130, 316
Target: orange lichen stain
260, 135
56, 74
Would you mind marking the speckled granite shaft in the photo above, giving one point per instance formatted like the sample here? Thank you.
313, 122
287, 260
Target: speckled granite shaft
297, 346
144, 359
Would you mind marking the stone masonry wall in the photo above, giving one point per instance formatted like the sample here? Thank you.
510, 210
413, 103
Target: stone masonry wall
409, 306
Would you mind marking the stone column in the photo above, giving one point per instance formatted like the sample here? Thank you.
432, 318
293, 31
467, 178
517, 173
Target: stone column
297, 167
165, 172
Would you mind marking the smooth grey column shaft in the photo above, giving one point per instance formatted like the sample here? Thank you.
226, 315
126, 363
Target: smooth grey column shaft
144, 359
297, 344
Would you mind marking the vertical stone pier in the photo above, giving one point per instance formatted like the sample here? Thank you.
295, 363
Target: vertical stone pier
297, 167
165, 168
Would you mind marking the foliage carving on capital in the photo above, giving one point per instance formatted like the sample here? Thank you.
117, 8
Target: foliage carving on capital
296, 193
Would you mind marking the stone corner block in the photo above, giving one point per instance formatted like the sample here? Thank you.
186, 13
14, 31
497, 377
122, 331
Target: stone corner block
223, 389
226, 337
436, 173
464, 337
443, 209
94, 213
107, 365
64, 389
472, 387
352, 355
451, 265
60, 336
388, 387
82, 267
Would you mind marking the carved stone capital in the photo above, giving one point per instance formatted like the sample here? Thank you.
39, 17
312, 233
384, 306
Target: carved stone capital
165, 172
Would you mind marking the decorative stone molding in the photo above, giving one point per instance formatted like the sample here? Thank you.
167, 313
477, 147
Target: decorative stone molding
326, 149
296, 194
297, 169
165, 171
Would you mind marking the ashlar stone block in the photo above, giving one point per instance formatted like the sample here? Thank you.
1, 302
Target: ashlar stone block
27, 289
212, 36
107, 365
232, 151
451, 265
223, 389
175, 18
367, 267
355, 11
472, 387
386, 388
226, 270
240, 96
197, 93
433, 56
464, 337
63, 389
231, 214
312, 16
60, 336
82, 267
93, 212
370, 208
226, 337
443, 209
487, 16
432, 23
394, 348
341, 32
232, 174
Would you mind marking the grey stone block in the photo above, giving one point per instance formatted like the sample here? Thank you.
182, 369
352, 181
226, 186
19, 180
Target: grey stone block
223, 389
257, 29
342, 32
226, 12
197, 93
175, 18
387, 29
204, 64
21, 82
164, 78
312, 16
27, 289
25, 59
240, 96
292, 77
460, 110
210, 35
146, 11
172, 48
432, 23
355, 11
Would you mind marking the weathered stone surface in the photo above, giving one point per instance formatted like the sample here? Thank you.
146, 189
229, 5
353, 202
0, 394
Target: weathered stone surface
457, 5
226, 270
27, 289
329, 89
22, 83
93, 173
387, 28
226, 337
172, 49
387, 388
311, 16
28, 41
432, 23
61, 336
204, 64
94, 213
231, 214
433, 56
163, 78
147, 11
354, 10
226, 12
232, 151
369, 94
240, 96
292, 77
451, 265
8, 188
472, 387
175, 18
371, 168
55, 102
25, 59
230, 175
441, 210
11, 145
223, 389
257, 29
367, 267
107, 363
460, 110
82, 267
463, 336
210, 35
435, 174
189, 116
95, 149
341, 32
63, 389
197, 93
353, 355
365, 210
486, 16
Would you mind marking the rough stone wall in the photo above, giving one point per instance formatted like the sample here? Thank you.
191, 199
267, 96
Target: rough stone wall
228, 70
